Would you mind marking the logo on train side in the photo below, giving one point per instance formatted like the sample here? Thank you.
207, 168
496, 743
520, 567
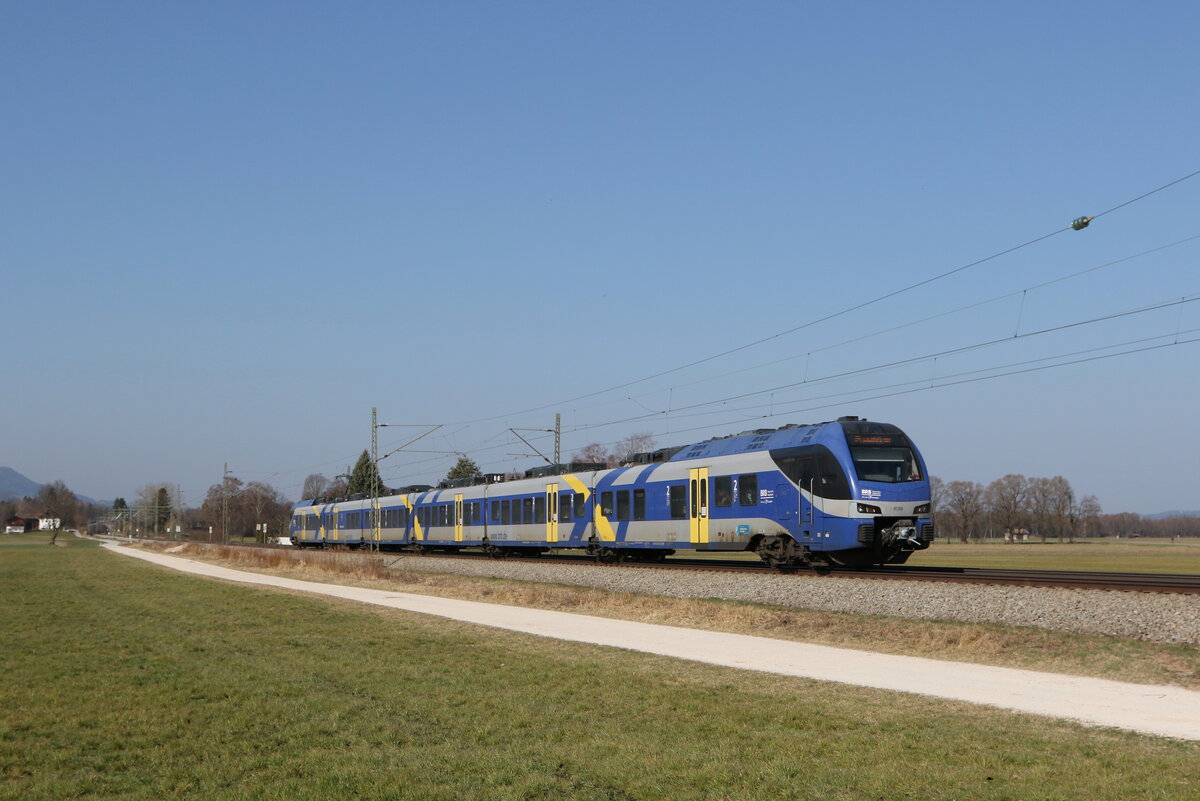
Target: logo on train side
873, 495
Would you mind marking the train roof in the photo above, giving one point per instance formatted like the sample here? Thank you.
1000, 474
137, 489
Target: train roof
763, 439
789, 436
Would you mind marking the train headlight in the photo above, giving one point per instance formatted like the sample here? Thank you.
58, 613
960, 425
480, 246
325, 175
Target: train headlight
923, 509
868, 509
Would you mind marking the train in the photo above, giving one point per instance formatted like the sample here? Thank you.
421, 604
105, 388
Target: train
845, 493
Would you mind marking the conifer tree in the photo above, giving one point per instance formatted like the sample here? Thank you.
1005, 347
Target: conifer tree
465, 467
364, 478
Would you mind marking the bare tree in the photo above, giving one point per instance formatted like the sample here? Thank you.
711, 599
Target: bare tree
1039, 498
269, 511
1122, 524
1088, 513
634, 444
1006, 500
937, 495
247, 506
315, 486
592, 452
57, 503
965, 499
1062, 507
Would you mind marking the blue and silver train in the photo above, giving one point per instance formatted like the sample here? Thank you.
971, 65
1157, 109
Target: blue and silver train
846, 493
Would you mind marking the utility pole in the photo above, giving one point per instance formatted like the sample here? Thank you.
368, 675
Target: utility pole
179, 506
378, 479
557, 437
225, 505
376, 459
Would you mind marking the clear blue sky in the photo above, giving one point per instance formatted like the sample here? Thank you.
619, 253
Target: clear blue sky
228, 230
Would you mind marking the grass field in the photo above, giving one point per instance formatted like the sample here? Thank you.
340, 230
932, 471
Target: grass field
1104, 555
123, 680
1025, 647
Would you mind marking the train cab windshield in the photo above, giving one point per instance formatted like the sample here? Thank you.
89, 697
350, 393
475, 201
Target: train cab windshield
887, 465
881, 452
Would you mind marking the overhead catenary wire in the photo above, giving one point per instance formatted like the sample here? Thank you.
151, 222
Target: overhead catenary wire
691, 410
833, 315
950, 380
855, 307
938, 315
1028, 366
906, 361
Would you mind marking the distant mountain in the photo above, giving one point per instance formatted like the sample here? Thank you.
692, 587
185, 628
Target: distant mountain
14, 486
1162, 515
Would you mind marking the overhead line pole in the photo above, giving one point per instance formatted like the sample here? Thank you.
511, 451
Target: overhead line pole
556, 431
376, 459
225, 505
375, 484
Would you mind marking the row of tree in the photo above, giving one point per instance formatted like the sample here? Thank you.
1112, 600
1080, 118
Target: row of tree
54, 501
1014, 507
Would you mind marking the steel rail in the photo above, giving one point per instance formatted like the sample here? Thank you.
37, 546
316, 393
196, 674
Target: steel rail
1062, 579
1180, 583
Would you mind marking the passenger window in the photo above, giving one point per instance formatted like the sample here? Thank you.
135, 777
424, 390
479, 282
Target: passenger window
677, 497
724, 487
505, 514
623, 505
527, 510
564, 507
539, 509
580, 506
748, 489
606, 504
495, 511
639, 504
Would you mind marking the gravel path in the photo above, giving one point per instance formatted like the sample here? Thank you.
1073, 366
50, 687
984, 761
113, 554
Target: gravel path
1144, 616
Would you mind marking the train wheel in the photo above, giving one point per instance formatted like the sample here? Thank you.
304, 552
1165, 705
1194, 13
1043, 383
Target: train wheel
609, 556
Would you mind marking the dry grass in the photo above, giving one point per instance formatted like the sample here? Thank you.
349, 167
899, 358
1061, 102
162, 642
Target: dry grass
1009, 646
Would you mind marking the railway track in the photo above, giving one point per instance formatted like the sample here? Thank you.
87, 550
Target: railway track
1062, 579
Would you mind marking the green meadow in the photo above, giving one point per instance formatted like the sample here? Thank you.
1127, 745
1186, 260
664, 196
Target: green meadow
124, 680
1100, 555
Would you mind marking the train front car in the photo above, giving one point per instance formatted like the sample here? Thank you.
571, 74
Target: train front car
861, 492
891, 492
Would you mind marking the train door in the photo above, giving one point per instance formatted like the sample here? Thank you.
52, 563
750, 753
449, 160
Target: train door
808, 483
698, 508
551, 513
458, 517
